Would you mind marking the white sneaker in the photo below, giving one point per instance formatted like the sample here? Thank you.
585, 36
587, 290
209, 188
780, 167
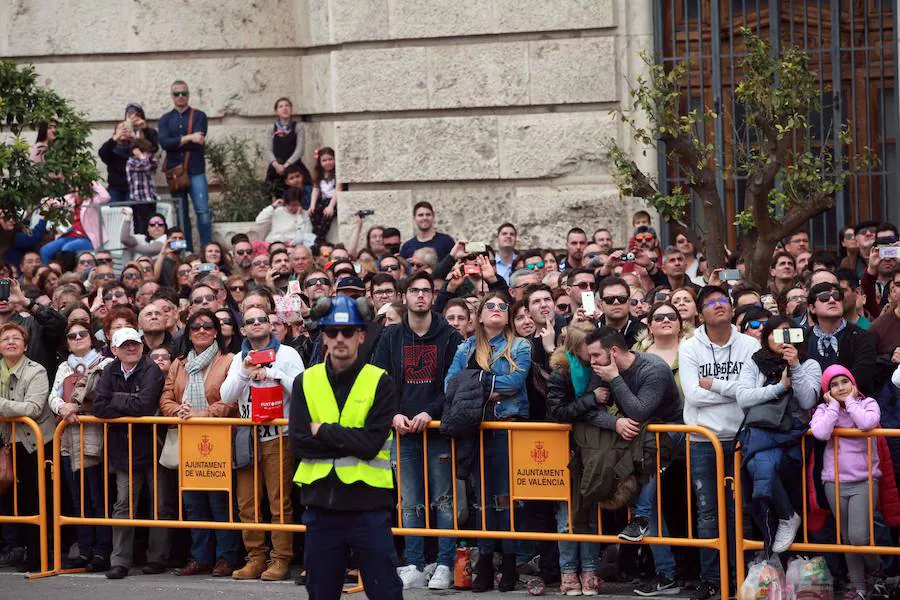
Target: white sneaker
412, 577
442, 579
429, 570
785, 534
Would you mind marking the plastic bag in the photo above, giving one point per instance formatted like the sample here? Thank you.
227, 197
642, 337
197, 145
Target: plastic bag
765, 581
808, 579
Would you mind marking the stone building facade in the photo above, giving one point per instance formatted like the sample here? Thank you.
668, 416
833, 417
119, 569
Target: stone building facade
493, 110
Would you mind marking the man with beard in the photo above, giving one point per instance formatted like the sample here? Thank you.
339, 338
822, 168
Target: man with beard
243, 259
417, 355
279, 270
576, 240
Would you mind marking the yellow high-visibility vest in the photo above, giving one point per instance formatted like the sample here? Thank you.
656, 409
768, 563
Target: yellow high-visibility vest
323, 408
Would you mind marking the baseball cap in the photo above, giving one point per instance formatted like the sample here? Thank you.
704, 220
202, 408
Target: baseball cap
351, 283
864, 225
126, 334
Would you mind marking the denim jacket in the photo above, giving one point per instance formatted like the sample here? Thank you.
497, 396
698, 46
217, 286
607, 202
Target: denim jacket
511, 385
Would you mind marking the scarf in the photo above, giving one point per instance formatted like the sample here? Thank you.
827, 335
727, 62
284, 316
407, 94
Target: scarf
282, 128
84, 362
580, 374
771, 365
196, 364
6, 373
828, 340
273, 344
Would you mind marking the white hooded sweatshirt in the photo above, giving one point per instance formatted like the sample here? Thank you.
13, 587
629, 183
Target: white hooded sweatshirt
716, 409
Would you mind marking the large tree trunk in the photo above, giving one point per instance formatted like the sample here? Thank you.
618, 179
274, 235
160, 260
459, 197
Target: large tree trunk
715, 226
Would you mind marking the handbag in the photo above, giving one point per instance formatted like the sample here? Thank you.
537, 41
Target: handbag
177, 178
168, 458
773, 414
7, 477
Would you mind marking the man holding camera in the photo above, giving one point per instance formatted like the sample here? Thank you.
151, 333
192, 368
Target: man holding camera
261, 376
340, 429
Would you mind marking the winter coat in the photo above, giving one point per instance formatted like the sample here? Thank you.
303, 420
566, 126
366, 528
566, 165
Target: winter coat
862, 413
28, 391
465, 401
562, 405
508, 383
137, 396
177, 380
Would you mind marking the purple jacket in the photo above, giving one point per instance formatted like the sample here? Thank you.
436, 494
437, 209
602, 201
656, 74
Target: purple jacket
853, 456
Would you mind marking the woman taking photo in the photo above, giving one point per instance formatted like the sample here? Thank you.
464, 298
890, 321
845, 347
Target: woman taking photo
68, 401
192, 390
779, 372
23, 393
495, 349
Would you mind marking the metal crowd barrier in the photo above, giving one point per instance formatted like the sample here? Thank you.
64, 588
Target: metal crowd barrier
542, 442
40, 519
744, 544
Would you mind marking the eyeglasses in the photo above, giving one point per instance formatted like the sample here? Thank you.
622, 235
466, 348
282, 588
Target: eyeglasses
237, 288
417, 291
345, 332
181, 94
501, 306
636, 301
157, 223
245, 252
206, 326
389, 268
255, 320
563, 307
754, 324
660, 317
75, 335
721, 300
384, 293
584, 285
131, 275
13, 340
796, 299
111, 295
535, 266
832, 295
203, 298
614, 299
317, 281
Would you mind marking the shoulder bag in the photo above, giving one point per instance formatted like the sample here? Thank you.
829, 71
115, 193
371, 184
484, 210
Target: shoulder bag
177, 178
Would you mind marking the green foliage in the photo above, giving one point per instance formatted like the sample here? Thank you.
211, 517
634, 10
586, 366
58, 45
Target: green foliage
233, 161
69, 162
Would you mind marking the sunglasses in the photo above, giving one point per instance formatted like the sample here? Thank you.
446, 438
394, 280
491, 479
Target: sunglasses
157, 223
181, 94
317, 281
76, 335
721, 300
111, 295
584, 285
255, 320
644, 237
204, 297
206, 326
534, 266
826, 296
563, 306
131, 276
103, 261
104, 276
389, 268
614, 299
884, 240
260, 263
160, 356
849, 235
225, 321
501, 306
754, 324
345, 332
636, 301
183, 272
87, 262
660, 317
246, 252
237, 288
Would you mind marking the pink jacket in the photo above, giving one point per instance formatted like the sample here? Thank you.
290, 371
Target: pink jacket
90, 213
853, 455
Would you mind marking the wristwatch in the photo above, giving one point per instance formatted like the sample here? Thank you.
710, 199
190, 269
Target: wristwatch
31, 304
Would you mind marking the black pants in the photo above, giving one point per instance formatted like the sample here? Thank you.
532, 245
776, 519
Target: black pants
27, 473
331, 535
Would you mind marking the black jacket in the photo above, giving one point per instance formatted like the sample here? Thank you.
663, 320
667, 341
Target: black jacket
562, 405
631, 332
46, 334
137, 396
335, 441
116, 156
856, 352
466, 398
418, 365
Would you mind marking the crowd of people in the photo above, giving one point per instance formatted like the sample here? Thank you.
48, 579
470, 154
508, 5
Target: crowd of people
606, 334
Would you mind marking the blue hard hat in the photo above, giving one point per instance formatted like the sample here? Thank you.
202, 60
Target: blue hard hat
343, 313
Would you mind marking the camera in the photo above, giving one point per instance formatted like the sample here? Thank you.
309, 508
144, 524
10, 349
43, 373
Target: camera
628, 257
4, 289
365, 213
262, 357
472, 270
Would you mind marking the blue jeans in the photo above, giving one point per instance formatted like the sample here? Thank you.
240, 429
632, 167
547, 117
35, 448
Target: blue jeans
200, 197
645, 506
211, 545
706, 485
496, 483
93, 540
573, 555
412, 493
64, 244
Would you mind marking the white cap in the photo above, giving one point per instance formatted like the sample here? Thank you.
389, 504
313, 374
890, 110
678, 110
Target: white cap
126, 334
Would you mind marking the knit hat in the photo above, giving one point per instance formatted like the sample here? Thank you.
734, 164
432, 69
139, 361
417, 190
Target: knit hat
832, 372
136, 108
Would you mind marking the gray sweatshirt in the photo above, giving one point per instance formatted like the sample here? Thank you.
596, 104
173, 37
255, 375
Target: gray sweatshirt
646, 390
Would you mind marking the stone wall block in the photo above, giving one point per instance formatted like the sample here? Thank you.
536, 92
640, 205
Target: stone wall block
439, 18
316, 89
392, 209
418, 149
578, 70
358, 20
554, 145
475, 75
470, 213
388, 79
541, 15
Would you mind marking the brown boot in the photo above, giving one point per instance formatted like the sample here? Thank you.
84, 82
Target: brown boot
279, 569
252, 570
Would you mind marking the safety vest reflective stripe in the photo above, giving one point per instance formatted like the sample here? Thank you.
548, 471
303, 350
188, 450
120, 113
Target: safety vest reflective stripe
323, 408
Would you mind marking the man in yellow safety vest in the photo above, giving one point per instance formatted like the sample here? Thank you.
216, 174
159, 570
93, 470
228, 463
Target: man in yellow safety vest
340, 429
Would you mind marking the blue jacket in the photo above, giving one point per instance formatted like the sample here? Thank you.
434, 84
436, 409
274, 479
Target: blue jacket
172, 126
510, 384
25, 242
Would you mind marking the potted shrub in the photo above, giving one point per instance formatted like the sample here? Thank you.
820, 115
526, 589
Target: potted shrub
233, 162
